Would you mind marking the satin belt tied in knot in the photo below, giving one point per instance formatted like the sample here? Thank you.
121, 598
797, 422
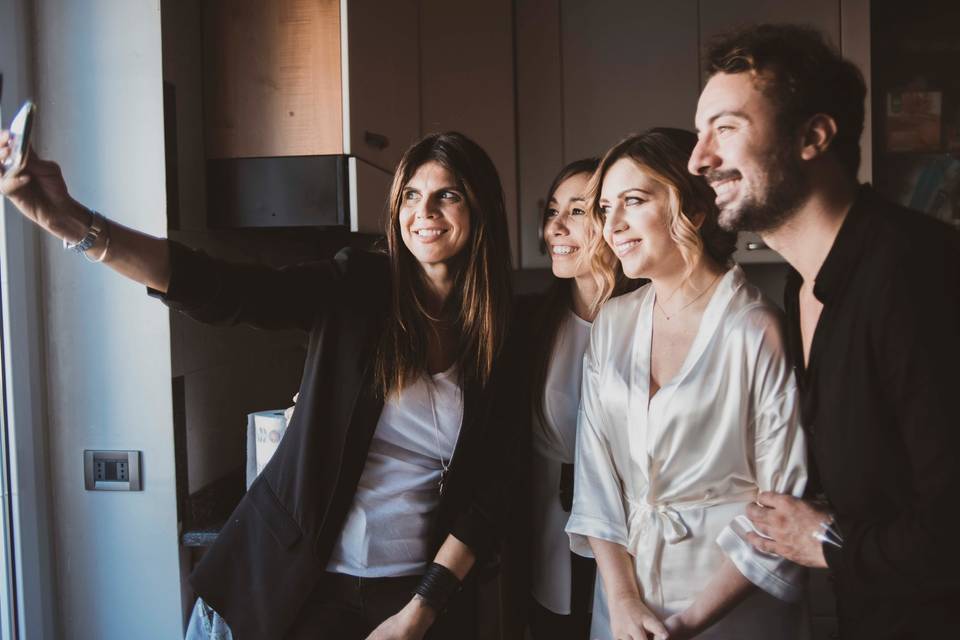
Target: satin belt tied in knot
650, 525
654, 519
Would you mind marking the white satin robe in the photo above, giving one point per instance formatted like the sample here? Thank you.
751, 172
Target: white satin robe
669, 477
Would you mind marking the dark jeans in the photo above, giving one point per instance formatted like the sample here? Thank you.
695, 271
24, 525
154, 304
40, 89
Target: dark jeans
345, 607
547, 625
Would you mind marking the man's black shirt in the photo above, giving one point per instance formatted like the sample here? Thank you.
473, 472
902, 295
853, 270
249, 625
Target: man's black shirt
881, 406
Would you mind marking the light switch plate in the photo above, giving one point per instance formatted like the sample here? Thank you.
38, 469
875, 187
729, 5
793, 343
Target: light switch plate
111, 470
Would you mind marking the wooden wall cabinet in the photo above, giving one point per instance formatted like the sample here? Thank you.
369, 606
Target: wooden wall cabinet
361, 78
272, 84
293, 78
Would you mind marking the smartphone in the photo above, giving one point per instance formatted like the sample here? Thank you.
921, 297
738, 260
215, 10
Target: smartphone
20, 130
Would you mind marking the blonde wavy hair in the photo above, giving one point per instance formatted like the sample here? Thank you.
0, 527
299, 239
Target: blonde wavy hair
663, 154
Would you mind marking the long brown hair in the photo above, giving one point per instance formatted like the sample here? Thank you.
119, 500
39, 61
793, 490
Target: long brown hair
479, 303
558, 298
663, 152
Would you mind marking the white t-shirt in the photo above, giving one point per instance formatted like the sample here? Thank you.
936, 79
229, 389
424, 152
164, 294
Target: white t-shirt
386, 530
554, 444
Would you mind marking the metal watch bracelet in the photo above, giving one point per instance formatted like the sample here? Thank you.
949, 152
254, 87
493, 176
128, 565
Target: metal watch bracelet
96, 227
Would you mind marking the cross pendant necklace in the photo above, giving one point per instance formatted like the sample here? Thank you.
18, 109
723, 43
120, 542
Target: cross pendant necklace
443, 478
444, 464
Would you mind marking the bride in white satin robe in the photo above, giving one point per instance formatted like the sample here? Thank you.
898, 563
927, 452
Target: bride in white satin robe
667, 476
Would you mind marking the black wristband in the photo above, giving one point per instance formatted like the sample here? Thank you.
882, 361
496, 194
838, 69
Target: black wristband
437, 587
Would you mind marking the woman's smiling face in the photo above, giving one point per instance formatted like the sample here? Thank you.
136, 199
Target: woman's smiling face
636, 210
566, 230
434, 217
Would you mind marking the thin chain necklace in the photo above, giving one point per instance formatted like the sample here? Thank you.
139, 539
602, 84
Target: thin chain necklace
699, 295
444, 465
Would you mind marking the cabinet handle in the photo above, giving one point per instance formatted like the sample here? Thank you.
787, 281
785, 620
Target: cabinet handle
756, 246
376, 140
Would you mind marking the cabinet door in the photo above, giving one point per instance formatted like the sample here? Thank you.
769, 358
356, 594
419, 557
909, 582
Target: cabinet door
628, 65
369, 196
272, 78
467, 80
855, 43
717, 18
382, 93
539, 118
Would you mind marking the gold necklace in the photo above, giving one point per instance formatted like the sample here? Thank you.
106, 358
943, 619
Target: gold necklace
699, 295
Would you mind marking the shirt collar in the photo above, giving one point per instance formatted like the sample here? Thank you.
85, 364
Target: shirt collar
846, 250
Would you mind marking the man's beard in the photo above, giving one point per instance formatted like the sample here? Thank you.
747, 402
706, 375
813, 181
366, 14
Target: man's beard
783, 190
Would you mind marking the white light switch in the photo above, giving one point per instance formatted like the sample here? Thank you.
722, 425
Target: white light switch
111, 470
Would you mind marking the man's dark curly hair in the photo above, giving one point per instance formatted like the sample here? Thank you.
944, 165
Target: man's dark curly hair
803, 75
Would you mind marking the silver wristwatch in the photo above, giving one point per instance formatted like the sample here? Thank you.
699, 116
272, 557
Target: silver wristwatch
90, 237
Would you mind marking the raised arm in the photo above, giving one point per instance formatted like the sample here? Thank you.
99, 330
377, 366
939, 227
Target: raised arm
40, 193
210, 291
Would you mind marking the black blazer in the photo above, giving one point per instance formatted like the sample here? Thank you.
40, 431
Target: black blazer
275, 546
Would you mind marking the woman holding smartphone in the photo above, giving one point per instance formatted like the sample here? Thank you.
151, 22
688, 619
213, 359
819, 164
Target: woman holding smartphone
390, 484
689, 409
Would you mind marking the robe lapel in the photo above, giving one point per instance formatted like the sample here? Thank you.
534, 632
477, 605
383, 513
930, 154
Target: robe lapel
640, 435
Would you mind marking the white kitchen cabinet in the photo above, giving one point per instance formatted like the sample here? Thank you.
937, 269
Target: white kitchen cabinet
718, 17
855, 44
539, 118
588, 74
381, 88
467, 82
627, 66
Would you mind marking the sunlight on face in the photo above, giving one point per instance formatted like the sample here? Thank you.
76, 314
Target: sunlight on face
636, 221
434, 216
751, 165
566, 229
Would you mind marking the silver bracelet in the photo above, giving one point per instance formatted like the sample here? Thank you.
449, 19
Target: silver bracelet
90, 237
106, 245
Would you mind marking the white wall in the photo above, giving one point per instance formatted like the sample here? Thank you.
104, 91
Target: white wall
99, 90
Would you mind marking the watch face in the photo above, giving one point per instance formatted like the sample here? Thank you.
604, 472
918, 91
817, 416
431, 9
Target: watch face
20, 130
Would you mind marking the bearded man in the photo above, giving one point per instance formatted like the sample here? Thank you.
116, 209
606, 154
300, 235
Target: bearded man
873, 315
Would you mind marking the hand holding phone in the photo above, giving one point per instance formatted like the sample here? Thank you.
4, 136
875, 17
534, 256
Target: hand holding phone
20, 130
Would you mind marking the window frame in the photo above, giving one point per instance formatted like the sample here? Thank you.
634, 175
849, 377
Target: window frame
24, 378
